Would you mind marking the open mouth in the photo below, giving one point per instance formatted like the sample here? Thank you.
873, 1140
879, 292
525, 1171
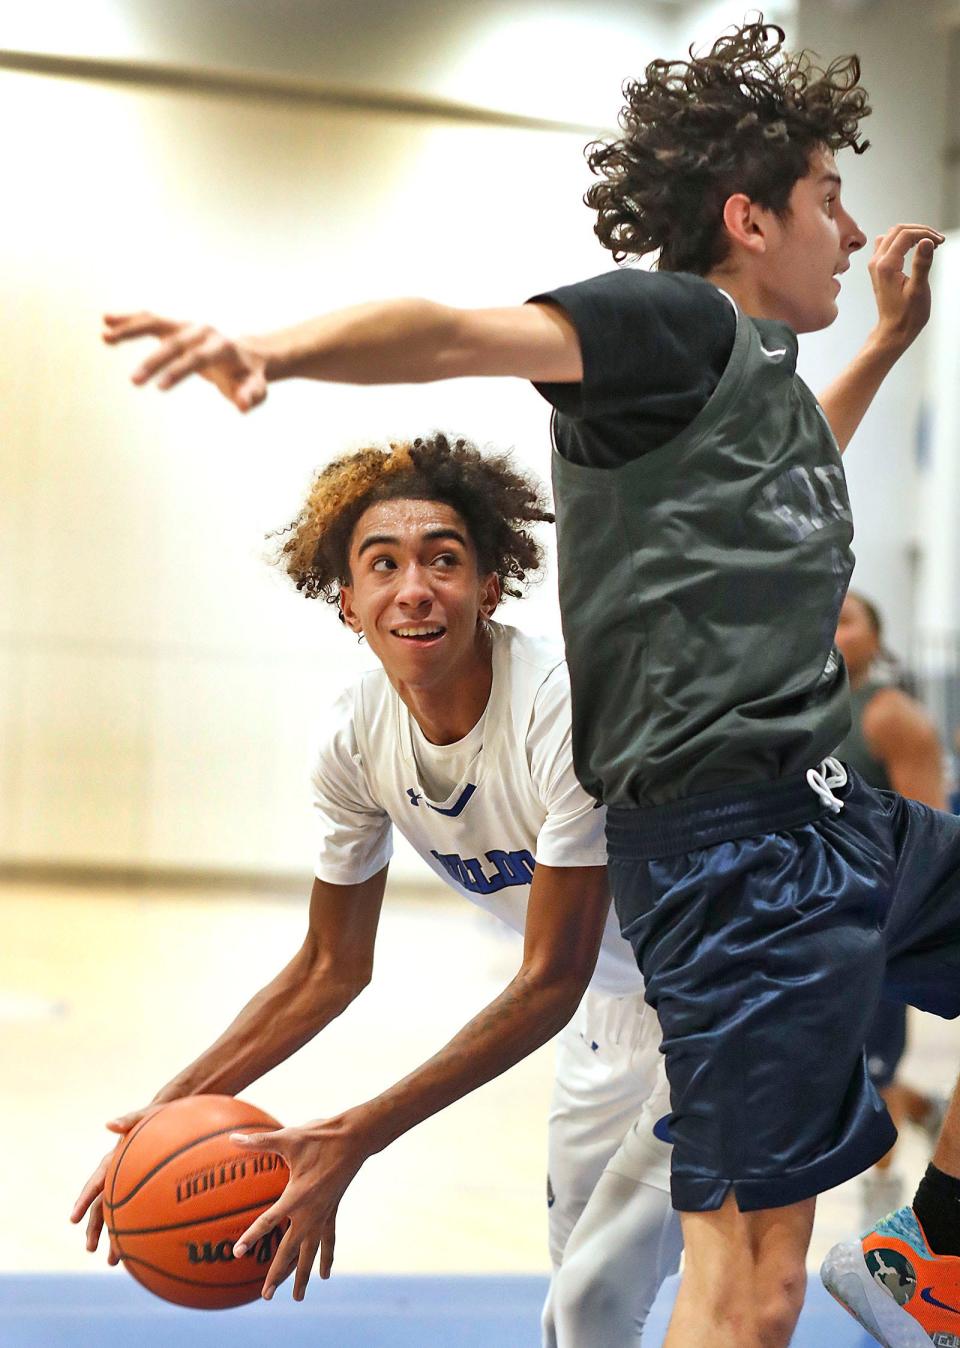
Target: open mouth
420, 634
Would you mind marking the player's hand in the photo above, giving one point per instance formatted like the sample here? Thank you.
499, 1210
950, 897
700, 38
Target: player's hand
903, 299
90, 1198
323, 1158
231, 365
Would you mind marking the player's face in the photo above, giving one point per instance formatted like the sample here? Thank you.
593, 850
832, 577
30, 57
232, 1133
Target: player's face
809, 249
856, 637
416, 592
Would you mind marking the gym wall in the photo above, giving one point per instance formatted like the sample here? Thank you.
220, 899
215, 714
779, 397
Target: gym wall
160, 686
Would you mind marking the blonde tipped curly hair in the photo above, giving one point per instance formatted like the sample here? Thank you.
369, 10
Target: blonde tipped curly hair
496, 502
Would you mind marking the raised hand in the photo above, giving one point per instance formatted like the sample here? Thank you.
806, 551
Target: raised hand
231, 365
90, 1198
323, 1159
903, 300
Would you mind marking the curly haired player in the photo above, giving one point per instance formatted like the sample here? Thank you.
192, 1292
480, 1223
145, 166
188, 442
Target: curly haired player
704, 542
461, 741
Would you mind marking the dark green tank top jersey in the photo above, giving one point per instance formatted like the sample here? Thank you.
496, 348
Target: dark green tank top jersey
854, 749
700, 585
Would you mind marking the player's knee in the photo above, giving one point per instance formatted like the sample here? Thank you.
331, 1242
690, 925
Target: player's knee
732, 1319
585, 1295
780, 1294
720, 1295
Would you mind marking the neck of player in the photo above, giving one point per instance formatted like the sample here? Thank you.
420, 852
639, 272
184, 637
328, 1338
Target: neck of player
748, 294
448, 707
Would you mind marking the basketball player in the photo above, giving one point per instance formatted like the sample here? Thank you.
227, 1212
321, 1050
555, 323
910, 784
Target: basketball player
461, 740
704, 537
893, 745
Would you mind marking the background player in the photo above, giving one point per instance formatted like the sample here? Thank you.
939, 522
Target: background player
461, 740
704, 532
893, 745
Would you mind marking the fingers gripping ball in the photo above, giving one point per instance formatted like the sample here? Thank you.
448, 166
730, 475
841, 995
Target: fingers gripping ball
178, 1193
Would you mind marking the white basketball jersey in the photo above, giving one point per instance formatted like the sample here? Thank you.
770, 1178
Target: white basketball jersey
518, 801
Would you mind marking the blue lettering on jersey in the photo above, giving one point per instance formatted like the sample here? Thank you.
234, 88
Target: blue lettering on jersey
510, 868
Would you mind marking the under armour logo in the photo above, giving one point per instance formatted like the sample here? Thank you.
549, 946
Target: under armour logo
414, 798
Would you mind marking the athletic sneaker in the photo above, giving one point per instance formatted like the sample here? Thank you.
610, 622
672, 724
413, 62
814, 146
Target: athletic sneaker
902, 1293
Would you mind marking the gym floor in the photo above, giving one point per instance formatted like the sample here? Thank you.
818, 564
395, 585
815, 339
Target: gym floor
106, 991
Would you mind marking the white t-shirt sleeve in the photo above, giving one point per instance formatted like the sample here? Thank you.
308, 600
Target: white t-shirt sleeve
354, 833
573, 832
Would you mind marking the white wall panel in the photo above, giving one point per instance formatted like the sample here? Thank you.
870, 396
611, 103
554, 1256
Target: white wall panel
135, 523
901, 177
11, 726
79, 781
938, 485
211, 772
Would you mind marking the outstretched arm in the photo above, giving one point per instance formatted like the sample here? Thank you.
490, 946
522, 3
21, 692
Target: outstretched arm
903, 307
332, 966
565, 921
390, 342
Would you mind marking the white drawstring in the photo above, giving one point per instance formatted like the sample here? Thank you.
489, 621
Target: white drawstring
822, 780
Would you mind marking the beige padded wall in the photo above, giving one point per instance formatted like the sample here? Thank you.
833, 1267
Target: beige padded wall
158, 684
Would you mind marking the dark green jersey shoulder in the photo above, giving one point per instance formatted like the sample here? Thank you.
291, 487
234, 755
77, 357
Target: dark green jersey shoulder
700, 585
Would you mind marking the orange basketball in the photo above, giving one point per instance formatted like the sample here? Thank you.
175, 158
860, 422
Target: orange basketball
178, 1194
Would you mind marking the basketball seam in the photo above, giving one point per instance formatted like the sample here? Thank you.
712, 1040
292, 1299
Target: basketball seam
124, 1144
194, 1282
195, 1221
220, 1132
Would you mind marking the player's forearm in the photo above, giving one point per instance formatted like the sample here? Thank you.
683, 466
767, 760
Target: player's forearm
846, 400
274, 1024
524, 1017
915, 764
391, 341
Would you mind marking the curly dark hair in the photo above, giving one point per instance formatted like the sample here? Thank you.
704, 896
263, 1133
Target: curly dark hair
744, 117
495, 501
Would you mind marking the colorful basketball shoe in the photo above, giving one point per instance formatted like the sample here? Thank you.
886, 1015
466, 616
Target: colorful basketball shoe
901, 1292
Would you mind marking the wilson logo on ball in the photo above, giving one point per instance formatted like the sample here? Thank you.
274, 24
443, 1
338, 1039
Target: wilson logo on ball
261, 1252
225, 1172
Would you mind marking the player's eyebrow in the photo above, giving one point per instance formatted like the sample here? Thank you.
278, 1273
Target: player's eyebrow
391, 540
432, 534
831, 178
377, 541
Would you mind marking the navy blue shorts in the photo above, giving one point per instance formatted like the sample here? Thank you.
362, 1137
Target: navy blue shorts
886, 1043
767, 930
